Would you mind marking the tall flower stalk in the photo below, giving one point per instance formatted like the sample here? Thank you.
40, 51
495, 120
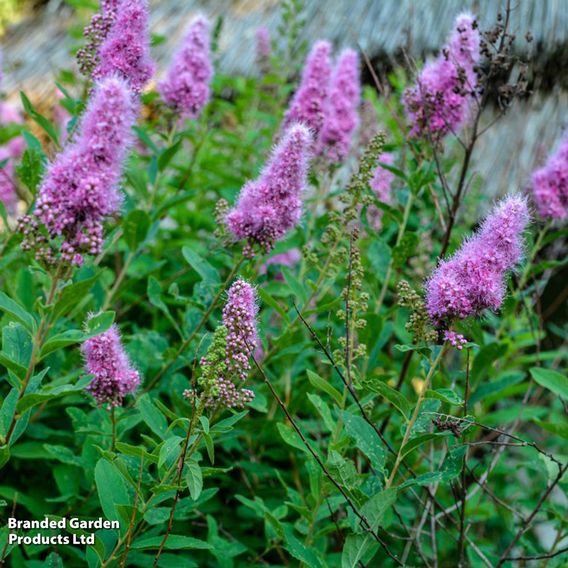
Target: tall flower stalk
308, 103
474, 278
186, 87
113, 375
440, 101
271, 206
341, 116
550, 184
125, 49
81, 186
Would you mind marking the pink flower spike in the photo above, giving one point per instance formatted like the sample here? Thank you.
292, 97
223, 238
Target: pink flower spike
381, 184
308, 103
186, 87
550, 184
341, 117
113, 375
125, 51
474, 278
80, 187
441, 100
271, 206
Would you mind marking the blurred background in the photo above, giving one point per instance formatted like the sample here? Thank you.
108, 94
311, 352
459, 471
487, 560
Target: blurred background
37, 37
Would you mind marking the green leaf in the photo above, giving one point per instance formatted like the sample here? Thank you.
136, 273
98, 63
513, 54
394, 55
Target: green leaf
208, 274
174, 542
396, 398
417, 441
39, 119
17, 312
61, 340
4, 455
405, 249
558, 428
551, 380
30, 169
72, 294
360, 548
323, 385
291, 437
135, 227
47, 394
445, 395
155, 420
169, 451
99, 324
168, 154
194, 479
298, 550
111, 488
366, 439
63, 454
270, 301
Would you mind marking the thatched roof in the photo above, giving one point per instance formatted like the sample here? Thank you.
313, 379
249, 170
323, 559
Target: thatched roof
39, 46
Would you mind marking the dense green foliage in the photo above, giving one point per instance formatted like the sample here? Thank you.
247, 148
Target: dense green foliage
338, 357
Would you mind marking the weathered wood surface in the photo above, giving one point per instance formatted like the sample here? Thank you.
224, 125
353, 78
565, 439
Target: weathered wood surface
40, 45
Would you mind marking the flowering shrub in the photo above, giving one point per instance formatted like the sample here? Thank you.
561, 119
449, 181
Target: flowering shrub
270, 320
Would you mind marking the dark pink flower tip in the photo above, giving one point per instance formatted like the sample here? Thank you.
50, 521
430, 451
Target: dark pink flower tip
308, 103
474, 278
113, 375
186, 87
271, 206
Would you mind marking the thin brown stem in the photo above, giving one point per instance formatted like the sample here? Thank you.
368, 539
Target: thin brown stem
364, 521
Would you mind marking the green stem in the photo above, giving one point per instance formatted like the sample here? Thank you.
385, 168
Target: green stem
401, 231
415, 414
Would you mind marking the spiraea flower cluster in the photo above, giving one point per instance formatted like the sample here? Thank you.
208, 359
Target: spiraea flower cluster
418, 323
95, 33
381, 184
341, 117
80, 187
125, 50
113, 375
455, 339
186, 87
308, 103
270, 206
440, 101
550, 184
263, 49
474, 278
227, 363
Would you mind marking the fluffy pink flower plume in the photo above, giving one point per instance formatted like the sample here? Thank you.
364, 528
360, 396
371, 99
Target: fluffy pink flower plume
113, 375
263, 49
271, 205
381, 184
550, 184
10, 151
186, 87
239, 317
474, 278
125, 50
441, 100
308, 103
341, 117
80, 187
